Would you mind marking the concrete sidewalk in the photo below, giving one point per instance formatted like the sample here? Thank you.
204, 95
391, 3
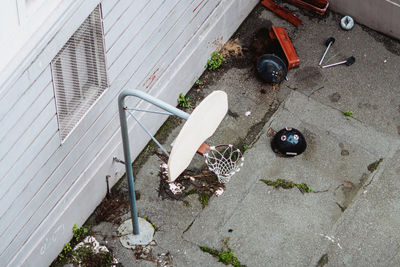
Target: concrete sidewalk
287, 227
352, 217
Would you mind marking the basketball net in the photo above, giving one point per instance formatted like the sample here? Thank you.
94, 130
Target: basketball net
224, 161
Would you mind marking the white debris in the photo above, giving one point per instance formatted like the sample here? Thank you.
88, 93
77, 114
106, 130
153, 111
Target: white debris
176, 188
219, 191
164, 169
91, 242
332, 239
385, 61
247, 113
192, 179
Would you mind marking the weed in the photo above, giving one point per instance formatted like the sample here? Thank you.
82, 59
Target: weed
204, 198
245, 147
68, 254
225, 255
374, 165
184, 102
65, 252
86, 257
287, 184
79, 232
348, 114
323, 260
198, 83
215, 61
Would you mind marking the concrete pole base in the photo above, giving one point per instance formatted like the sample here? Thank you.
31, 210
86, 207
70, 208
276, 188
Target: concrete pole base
129, 240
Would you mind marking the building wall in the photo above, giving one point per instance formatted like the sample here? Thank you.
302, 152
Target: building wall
47, 186
382, 15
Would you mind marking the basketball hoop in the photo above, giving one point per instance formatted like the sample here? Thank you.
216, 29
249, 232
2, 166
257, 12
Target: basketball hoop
224, 161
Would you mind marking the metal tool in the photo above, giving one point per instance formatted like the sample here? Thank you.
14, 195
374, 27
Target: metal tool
328, 43
348, 62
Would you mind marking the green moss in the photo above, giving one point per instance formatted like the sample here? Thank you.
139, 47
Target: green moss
215, 61
374, 165
348, 114
225, 255
323, 260
86, 257
287, 184
204, 198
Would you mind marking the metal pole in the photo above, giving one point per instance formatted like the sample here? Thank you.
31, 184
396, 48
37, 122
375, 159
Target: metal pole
128, 162
125, 141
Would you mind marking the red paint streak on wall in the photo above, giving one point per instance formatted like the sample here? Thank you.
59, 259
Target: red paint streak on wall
201, 2
151, 79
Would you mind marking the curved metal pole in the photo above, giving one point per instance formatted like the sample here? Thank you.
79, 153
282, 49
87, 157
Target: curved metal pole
126, 146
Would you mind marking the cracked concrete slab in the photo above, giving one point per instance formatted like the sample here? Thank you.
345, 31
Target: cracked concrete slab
284, 225
369, 230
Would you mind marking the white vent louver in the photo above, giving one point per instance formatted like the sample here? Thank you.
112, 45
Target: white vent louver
79, 73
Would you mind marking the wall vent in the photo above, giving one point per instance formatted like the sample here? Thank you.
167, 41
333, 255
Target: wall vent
79, 73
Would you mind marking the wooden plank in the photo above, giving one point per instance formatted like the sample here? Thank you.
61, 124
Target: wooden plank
27, 148
282, 12
20, 127
115, 14
11, 185
138, 31
126, 19
107, 6
179, 37
22, 82
157, 39
43, 156
18, 100
51, 193
24, 161
129, 59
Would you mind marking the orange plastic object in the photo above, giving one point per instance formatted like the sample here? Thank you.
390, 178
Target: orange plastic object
287, 46
311, 7
282, 12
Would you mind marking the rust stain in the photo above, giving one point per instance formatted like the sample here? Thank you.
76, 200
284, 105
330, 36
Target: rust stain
151, 79
201, 2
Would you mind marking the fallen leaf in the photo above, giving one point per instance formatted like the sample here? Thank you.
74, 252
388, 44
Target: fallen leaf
271, 132
398, 129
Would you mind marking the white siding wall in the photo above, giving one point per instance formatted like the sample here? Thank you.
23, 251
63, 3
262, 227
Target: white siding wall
156, 46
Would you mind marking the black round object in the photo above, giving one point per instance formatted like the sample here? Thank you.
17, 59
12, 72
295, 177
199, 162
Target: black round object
271, 68
289, 142
350, 61
330, 40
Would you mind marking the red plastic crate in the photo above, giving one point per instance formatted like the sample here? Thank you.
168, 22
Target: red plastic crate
280, 34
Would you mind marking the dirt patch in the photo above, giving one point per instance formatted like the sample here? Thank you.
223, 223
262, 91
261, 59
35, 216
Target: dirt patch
308, 77
335, 97
112, 207
204, 184
232, 48
391, 44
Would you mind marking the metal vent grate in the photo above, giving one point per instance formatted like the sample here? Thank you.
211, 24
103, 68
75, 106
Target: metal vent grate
79, 73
